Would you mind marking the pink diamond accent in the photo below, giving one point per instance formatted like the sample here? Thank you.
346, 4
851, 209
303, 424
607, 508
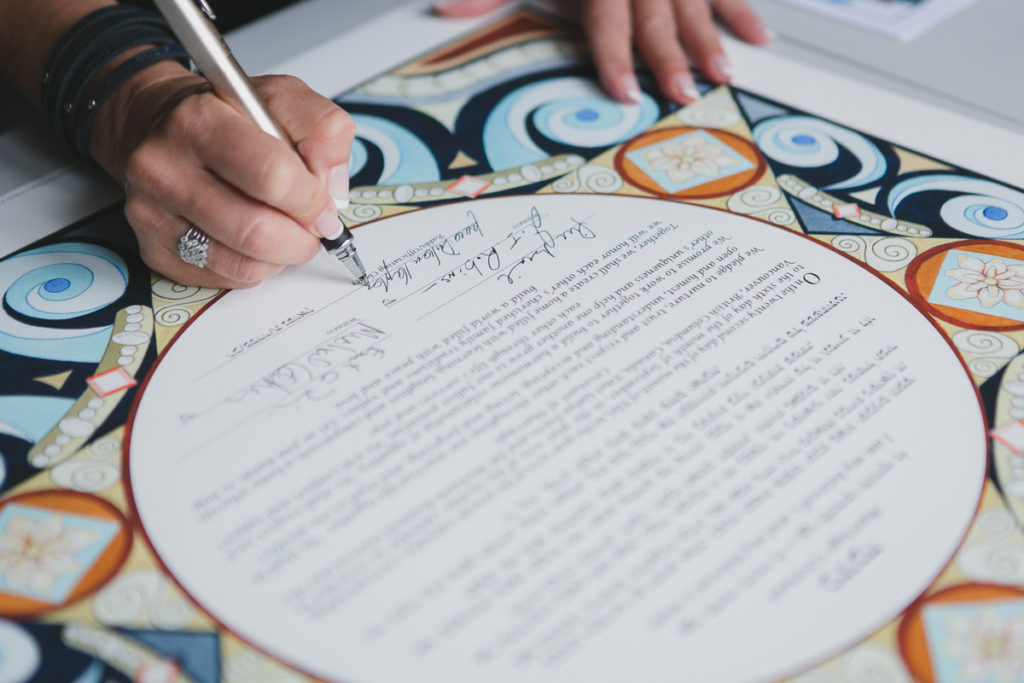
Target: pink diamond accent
111, 381
846, 210
1010, 435
468, 186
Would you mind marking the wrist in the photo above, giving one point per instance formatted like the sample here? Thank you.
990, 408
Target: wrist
135, 108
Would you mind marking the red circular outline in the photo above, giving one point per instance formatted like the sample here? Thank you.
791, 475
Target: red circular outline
129, 425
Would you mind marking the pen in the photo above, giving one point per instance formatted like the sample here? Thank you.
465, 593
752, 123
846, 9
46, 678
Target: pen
192, 25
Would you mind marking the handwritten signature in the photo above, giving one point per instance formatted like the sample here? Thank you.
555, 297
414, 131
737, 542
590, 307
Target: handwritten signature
529, 239
313, 375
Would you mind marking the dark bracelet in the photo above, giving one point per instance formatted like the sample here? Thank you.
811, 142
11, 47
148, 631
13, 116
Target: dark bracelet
114, 80
71, 48
82, 74
70, 96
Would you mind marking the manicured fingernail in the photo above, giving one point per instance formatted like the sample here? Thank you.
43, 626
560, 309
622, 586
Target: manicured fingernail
632, 87
465, 8
722, 62
328, 224
337, 185
687, 86
769, 35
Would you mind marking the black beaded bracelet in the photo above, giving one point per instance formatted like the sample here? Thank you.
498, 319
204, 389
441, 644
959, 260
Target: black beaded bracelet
70, 96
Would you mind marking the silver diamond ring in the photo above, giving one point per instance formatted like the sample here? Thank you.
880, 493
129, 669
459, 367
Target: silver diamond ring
192, 247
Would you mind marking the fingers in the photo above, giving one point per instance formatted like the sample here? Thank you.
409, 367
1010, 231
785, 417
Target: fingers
260, 167
700, 39
671, 36
466, 8
741, 20
158, 246
262, 205
658, 41
249, 241
607, 24
243, 224
321, 130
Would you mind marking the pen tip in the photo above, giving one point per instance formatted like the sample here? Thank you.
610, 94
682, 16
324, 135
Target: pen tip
363, 281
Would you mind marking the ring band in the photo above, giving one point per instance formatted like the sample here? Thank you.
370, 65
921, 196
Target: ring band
192, 247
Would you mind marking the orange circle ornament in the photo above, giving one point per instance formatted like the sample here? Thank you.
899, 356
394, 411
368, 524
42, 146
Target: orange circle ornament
57, 547
977, 284
690, 163
913, 636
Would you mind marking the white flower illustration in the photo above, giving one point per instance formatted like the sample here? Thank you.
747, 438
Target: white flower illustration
33, 554
688, 158
989, 646
989, 282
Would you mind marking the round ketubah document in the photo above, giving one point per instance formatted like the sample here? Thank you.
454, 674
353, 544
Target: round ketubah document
560, 438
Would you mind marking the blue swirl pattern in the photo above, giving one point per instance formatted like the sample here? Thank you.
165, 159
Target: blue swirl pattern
807, 142
971, 206
48, 290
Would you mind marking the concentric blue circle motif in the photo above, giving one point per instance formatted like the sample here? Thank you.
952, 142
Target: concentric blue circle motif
837, 157
404, 157
47, 290
397, 145
56, 285
995, 213
971, 206
566, 113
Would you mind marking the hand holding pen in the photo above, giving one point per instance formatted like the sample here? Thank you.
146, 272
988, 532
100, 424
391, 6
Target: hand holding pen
191, 23
188, 160
113, 82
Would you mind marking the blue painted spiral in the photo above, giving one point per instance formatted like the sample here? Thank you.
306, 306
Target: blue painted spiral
533, 121
846, 157
47, 290
969, 205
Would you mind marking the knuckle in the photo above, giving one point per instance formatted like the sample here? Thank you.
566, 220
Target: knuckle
651, 24
244, 269
277, 88
255, 235
145, 171
275, 179
135, 211
312, 249
289, 82
336, 123
693, 11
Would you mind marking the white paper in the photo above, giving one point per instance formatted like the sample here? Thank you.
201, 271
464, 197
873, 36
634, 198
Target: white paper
898, 19
563, 438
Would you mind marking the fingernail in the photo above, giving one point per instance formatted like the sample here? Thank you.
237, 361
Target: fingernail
465, 8
723, 64
328, 224
687, 86
770, 35
337, 185
632, 87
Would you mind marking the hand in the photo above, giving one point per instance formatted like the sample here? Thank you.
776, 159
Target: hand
671, 36
187, 158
